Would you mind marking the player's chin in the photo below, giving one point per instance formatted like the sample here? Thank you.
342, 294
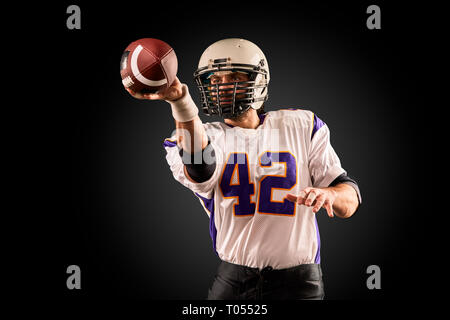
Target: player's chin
239, 117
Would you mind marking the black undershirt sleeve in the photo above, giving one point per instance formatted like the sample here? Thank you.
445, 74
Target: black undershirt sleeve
343, 178
202, 171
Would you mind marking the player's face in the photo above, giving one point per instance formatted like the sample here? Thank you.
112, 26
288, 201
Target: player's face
228, 79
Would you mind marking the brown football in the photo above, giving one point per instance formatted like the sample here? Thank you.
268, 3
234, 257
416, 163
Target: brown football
148, 65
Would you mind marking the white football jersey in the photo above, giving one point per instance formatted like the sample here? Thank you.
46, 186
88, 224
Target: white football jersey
251, 221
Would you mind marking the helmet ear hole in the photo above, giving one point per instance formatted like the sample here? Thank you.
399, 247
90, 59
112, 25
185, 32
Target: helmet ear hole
264, 89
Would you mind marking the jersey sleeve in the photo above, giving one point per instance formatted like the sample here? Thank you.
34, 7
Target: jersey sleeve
177, 167
324, 164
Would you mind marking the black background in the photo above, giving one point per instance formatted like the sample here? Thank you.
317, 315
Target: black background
103, 196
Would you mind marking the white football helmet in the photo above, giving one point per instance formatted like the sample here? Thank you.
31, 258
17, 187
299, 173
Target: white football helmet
232, 55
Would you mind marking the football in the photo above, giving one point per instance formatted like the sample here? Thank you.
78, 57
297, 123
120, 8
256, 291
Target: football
148, 65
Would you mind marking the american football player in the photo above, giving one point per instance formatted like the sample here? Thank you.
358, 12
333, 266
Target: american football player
260, 176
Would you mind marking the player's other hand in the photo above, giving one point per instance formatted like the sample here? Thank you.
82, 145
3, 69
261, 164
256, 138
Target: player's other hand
316, 198
174, 92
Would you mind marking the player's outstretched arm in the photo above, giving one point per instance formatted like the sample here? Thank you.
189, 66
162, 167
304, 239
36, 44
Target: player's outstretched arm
191, 135
190, 132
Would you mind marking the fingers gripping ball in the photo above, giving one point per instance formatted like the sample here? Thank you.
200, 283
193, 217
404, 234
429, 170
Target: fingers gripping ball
148, 65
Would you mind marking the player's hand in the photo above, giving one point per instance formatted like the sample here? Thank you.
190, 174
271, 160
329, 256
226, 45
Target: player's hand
316, 198
174, 92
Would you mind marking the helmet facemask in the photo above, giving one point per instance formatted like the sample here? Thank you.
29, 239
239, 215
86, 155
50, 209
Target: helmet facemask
232, 99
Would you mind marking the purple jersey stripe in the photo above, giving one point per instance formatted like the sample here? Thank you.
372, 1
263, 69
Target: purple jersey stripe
317, 259
261, 118
169, 143
209, 205
317, 125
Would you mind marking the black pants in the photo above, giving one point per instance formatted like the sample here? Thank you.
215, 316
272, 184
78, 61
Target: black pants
235, 282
